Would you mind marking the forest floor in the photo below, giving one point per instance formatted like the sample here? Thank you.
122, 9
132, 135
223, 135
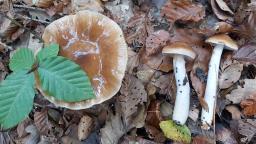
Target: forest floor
148, 91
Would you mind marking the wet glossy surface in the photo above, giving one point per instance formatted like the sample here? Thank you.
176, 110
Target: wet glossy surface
93, 44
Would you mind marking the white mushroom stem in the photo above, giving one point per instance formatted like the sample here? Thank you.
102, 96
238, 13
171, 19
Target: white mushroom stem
211, 87
181, 107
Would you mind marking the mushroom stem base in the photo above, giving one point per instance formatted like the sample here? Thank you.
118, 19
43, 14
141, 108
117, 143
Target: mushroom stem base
211, 87
181, 107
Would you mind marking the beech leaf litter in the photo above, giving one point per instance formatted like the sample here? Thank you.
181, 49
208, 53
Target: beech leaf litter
141, 111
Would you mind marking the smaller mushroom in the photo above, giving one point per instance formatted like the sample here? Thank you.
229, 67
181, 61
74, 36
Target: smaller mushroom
220, 41
179, 51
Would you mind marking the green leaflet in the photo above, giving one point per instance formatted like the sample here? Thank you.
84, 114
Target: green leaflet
179, 133
22, 59
16, 98
64, 80
49, 51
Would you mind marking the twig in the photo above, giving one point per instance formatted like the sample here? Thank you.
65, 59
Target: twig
37, 20
28, 7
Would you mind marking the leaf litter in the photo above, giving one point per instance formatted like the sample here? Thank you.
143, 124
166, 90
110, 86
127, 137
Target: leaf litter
147, 94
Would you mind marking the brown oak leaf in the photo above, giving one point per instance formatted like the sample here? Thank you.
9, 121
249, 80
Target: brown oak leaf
183, 10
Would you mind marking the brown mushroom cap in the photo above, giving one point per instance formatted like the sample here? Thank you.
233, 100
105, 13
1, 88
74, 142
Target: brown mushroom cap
224, 40
179, 48
97, 44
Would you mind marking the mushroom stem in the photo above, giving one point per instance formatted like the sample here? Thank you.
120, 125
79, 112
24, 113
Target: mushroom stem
181, 107
211, 87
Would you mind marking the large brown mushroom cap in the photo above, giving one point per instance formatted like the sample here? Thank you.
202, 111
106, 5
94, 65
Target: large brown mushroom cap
97, 44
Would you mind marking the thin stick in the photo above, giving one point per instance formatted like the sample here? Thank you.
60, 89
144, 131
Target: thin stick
28, 7
37, 20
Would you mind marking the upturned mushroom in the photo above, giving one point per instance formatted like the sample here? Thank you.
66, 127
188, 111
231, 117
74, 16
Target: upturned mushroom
97, 44
180, 51
220, 41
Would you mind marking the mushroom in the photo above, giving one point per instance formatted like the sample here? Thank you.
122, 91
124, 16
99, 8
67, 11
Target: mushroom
220, 41
97, 44
179, 51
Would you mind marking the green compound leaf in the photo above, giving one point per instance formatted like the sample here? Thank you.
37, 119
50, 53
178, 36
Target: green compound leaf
49, 51
16, 98
64, 80
22, 59
179, 133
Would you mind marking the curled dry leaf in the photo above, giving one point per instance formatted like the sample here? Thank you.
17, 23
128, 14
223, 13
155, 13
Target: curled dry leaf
133, 95
246, 53
249, 105
242, 92
94, 5
223, 6
156, 41
230, 75
85, 127
183, 10
222, 15
224, 135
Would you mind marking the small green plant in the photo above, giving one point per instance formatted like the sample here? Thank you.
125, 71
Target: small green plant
58, 77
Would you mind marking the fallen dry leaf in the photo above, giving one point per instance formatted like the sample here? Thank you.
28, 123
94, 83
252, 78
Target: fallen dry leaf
113, 130
94, 5
182, 10
247, 128
222, 15
166, 84
121, 10
133, 95
242, 92
193, 114
85, 127
246, 53
135, 140
133, 61
202, 140
230, 75
156, 41
42, 122
224, 135
249, 106
154, 115
155, 134
33, 136
136, 32
21, 127
223, 6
